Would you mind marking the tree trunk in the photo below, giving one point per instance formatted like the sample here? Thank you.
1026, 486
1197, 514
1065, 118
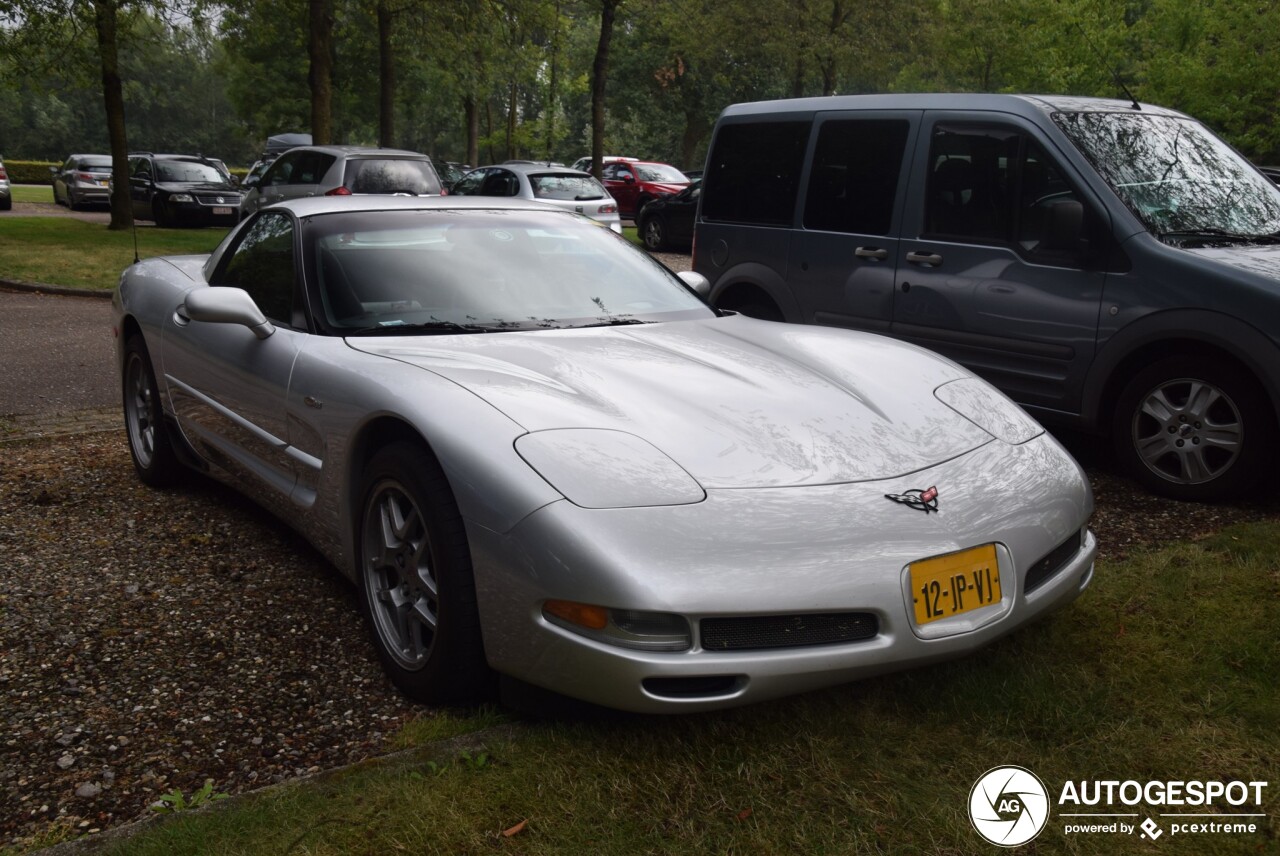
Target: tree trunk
386, 79
320, 75
471, 115
104, 13
599, 75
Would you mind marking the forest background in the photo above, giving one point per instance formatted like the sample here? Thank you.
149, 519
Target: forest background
486, 80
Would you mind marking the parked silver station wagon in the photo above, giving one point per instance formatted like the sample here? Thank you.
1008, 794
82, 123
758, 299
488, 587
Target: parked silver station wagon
1109, 265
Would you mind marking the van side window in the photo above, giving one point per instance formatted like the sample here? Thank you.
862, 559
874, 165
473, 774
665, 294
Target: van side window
753, 173
997, 185
854, 178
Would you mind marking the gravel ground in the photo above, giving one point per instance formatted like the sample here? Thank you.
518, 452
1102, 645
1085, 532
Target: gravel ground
151, 640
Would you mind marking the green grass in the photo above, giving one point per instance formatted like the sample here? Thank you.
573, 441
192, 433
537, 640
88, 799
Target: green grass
31, 192
1164, 670
69, 252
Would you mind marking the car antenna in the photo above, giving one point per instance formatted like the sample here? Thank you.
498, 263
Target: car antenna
1115, 74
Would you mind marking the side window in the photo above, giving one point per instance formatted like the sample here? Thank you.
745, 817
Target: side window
469, 184
969, 182
310, 167
854, 179
279, 172
989, 184
500, 182
753, 173
263, 264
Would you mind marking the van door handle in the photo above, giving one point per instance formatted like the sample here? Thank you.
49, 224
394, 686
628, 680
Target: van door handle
873, 253
918, 258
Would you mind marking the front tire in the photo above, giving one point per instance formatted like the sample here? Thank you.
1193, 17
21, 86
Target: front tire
654, 233
149, 443
415, 579
1194, 429
160, 214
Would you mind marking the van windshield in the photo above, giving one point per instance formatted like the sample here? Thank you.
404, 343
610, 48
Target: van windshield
1180, 179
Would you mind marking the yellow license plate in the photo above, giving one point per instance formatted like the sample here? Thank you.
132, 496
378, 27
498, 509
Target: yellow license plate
955, 583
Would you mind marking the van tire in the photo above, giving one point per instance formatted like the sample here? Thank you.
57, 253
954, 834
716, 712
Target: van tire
1193, 428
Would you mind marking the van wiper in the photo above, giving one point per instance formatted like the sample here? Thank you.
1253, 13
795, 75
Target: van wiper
1210, 234
422, 327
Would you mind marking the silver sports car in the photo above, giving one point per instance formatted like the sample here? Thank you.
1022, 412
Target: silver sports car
539, 454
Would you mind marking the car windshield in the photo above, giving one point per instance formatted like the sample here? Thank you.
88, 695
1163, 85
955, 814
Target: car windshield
660, 172
450, 271
1180, 179
391, 175
188, 172
566, 186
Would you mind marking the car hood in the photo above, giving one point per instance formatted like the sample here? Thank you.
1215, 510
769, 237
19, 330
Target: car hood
659, 187
737, 403
210, 186
1261, 259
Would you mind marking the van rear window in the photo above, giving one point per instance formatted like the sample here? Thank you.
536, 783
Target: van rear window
753, 173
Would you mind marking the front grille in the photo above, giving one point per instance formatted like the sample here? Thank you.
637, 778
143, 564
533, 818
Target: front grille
1042, 571
786, 631
212, 199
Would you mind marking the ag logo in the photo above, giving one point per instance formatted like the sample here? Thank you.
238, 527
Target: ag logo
1008, 806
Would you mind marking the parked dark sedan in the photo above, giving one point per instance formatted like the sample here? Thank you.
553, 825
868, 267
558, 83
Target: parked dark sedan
182, 190
667, 221
82, 179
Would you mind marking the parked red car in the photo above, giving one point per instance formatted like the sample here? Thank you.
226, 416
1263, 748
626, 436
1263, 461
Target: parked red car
634, 183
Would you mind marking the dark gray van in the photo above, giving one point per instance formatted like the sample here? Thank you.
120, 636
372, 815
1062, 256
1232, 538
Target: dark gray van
1109, 265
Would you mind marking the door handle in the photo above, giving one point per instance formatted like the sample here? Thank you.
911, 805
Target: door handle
874, 253
918, 258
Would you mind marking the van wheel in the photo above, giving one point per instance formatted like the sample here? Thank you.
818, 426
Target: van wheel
1193, 429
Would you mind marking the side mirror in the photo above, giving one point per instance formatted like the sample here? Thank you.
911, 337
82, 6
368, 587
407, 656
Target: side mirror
53, 170
697, 283
223, 305
1064, 227
251, 181
628, 179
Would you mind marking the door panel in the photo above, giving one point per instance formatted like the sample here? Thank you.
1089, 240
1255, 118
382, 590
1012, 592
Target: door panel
983, 277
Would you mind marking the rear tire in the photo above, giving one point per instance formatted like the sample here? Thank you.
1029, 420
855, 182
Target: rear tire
149, 443
415, 578
1194, 429
160, 214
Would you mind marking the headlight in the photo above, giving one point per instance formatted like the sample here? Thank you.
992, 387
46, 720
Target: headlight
629, 628
181, 197
597, 468
989, 409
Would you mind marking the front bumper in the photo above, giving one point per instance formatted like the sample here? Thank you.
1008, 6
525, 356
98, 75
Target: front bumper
770, 552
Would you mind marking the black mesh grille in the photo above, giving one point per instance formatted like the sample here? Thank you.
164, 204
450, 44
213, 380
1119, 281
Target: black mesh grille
786, 631
1042, 571
212, 199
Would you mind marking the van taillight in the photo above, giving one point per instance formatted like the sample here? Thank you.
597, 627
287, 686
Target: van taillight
338, 191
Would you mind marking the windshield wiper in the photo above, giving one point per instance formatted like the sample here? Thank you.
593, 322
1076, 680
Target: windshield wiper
612, 322
422, 327
1210, 234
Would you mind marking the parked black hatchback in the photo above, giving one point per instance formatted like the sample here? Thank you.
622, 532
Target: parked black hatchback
181, 190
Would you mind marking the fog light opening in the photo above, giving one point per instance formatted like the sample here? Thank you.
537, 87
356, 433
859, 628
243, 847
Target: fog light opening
628, 628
